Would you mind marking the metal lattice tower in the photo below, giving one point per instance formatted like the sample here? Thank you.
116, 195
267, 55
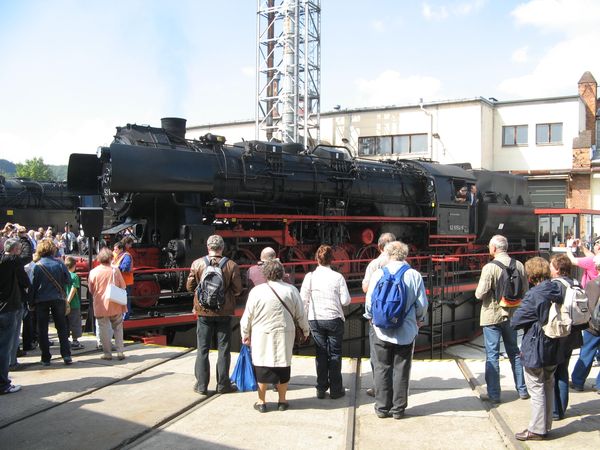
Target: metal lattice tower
288, 70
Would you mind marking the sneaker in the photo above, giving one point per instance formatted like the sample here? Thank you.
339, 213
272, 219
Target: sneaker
596, 363
11, 389
382, 414
45, 363
76, 345
21, 353
320, 394
120, 356
371, 392
106, 357
525, 396
68, 361
398, 416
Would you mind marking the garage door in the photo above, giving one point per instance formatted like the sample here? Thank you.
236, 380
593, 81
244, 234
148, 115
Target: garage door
548, 193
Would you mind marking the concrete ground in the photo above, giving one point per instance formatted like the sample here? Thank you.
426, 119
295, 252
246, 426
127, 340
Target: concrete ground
147, 402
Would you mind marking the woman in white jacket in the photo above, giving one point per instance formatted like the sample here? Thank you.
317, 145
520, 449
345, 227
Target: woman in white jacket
267, 325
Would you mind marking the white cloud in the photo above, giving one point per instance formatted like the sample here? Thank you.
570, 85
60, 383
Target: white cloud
568, 16
434, 12
378, 25
455, 9
520, 55
562, 63
389, 88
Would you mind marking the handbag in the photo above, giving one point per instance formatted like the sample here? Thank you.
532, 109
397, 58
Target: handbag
58, 287
116, 294
243, 373
299, 334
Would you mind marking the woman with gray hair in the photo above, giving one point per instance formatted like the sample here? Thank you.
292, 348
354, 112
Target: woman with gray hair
267, 325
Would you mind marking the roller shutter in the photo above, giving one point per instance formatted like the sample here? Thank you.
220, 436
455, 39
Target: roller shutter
548, 193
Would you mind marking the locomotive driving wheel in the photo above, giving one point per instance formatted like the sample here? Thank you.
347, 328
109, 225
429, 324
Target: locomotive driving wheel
340, 254
369, 252
294, 254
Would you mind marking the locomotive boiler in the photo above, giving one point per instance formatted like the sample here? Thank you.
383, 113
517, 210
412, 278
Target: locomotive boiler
176, 192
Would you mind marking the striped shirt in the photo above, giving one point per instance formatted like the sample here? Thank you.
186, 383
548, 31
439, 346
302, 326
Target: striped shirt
323, 293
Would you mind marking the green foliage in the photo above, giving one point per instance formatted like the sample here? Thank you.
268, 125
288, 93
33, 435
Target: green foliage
35, 169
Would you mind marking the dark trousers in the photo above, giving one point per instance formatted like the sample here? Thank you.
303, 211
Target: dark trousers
129, 312
29, 330
207, 328
561, 387
392, 373
58, 308
328, 335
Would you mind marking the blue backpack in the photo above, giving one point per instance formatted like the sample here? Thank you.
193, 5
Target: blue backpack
388, 301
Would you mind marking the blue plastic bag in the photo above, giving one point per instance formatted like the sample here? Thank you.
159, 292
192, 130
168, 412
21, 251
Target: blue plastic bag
243, 373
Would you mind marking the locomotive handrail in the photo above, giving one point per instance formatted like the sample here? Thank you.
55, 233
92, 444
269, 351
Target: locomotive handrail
317, 218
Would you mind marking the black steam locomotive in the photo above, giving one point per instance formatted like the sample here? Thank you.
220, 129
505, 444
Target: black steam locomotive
175, 192
36, 203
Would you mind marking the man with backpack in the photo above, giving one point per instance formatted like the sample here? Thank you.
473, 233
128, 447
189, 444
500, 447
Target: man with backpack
216, 283
501, 286
396, 304
591, 337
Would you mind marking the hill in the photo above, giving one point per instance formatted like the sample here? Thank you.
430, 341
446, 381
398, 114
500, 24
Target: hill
9, 170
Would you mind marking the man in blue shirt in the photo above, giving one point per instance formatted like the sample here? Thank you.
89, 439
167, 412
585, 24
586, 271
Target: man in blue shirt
393, 347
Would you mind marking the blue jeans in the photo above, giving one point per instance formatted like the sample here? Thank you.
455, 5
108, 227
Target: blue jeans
583, 365
328, 335
206, 329
492, 335
15, 348
127, 315
561, 387
8, 325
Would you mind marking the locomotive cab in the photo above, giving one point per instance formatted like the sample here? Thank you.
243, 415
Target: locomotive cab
452, 210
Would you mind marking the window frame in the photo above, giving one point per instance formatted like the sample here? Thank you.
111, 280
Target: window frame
515, 134
549, 131
374, 144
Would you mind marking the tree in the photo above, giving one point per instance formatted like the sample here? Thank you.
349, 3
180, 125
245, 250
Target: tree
35, 169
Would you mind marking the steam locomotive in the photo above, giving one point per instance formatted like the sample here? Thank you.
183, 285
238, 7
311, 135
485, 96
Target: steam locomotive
37, 203
172, 193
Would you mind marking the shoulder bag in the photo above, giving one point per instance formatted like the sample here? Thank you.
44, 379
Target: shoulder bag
116, 294
58, 287
299, 336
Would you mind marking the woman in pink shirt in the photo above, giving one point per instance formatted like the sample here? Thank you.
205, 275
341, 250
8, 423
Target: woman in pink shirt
586, 263
109, 314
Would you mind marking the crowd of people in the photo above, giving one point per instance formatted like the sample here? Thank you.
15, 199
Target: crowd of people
37, 280
34, 278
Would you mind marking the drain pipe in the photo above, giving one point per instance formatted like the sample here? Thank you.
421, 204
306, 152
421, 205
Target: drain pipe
430, 128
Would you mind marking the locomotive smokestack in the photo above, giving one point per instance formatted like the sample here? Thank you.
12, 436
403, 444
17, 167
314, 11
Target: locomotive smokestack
174, 126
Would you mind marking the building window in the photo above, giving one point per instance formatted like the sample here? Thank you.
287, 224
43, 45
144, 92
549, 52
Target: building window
548, 133
514, 135
405, 144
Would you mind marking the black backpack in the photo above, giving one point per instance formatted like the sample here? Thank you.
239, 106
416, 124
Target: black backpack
509, 287
211, 289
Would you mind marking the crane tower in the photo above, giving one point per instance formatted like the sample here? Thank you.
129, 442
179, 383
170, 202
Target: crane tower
288, 70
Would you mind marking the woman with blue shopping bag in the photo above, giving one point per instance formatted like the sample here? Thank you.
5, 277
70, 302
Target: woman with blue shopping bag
273, 311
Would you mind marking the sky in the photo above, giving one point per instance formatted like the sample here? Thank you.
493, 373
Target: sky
71, 71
